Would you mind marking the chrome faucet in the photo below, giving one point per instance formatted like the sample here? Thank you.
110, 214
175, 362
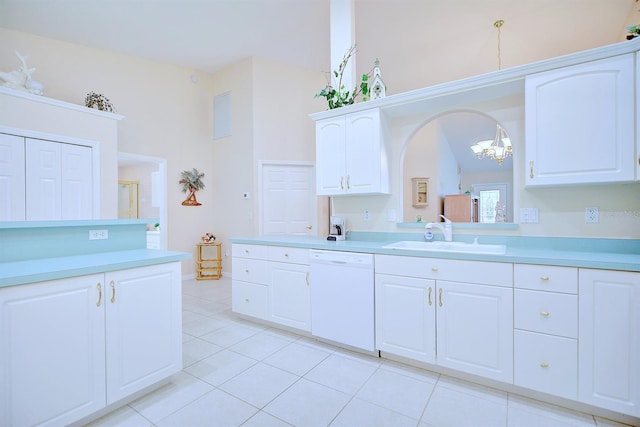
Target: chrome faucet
446, 228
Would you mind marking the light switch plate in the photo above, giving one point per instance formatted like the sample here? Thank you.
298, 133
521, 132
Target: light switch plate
529, 216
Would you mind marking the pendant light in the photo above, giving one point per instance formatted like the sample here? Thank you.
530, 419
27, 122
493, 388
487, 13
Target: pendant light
498, 148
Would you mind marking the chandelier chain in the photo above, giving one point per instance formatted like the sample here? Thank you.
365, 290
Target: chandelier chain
498, 24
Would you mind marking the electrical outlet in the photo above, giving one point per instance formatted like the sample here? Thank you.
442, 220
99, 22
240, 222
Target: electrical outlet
367, 215
591, 215
98, 234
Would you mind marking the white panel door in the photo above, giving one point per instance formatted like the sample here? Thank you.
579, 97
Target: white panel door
52, 351
288, 200
77, 182
144, 334
43, 180
475, 329
12, 178
609, 340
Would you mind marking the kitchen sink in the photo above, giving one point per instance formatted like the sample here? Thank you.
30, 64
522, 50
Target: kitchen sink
440, 246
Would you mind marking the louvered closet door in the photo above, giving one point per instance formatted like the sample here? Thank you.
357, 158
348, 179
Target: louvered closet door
12, 182
58, 181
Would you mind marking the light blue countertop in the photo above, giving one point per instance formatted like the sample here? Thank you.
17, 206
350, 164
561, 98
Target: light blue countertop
31, 271
610, 254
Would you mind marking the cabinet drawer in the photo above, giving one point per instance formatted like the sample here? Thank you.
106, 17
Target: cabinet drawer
250, 299
250, 270
479, 272
546, 312
400, 266
249, 251
546, 278
546, 363
287, 254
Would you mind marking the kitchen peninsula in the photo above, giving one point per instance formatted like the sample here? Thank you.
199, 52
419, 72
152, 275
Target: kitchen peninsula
84, 304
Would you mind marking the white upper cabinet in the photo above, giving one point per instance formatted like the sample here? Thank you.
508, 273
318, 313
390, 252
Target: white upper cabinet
351, 155
580, 124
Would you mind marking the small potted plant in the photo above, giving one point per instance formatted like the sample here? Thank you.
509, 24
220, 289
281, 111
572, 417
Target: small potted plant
337, 96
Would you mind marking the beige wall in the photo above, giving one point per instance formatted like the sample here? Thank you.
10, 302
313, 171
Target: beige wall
168, 116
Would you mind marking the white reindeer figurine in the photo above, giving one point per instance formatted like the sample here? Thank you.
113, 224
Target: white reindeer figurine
21, 79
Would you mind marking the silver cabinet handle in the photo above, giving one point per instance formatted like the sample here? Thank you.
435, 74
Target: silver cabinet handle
440, 297
430, 302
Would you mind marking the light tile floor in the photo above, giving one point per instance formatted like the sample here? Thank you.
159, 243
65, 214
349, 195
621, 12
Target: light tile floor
239, 373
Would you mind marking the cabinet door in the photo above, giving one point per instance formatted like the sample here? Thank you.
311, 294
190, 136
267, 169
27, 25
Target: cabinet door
365, 156
406, 317
570, 113
290, 296
475, 329
144, 327
12, 178
330, 156
52, 351
609, 340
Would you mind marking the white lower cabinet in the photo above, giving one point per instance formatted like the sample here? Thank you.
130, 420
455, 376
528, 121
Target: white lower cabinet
70, 347
475, 329
463, 326
546, 329
609, 340
406, 316
144, 333
250, 281
546, 363
272, 283
289, 295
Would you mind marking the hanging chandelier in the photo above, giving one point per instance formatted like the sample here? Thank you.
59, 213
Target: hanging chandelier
496, 149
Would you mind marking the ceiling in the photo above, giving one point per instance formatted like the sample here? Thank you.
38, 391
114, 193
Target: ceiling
419, 42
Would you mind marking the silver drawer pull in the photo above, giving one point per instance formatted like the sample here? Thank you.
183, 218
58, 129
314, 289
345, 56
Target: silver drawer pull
434, 269
544, 365
247, 271
544, 278
544, 313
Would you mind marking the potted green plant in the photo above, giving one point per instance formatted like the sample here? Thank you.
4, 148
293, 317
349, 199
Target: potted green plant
337, 96
191, 181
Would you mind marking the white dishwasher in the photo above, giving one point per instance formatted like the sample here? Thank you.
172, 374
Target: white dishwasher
342, 302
